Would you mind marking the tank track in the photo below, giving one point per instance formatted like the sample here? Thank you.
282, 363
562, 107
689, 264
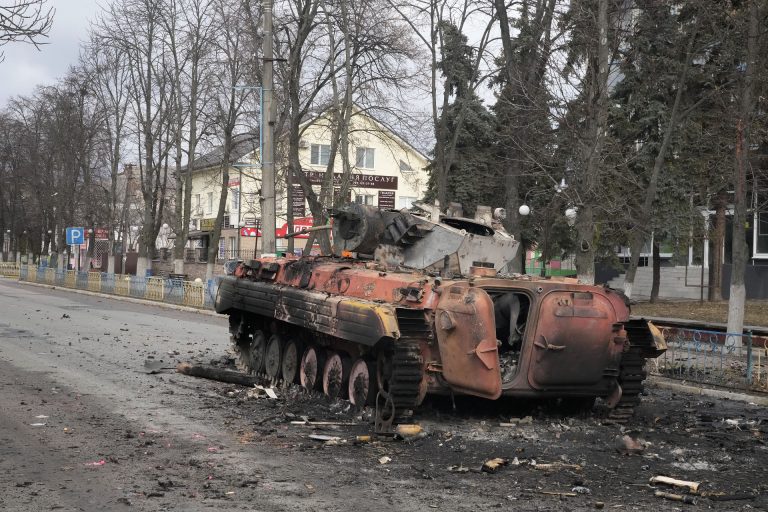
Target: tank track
406, 376
631, 377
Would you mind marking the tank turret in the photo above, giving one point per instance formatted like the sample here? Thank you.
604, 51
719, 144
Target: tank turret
426, 239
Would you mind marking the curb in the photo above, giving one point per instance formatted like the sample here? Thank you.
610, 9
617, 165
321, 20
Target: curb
693, 389
134, 300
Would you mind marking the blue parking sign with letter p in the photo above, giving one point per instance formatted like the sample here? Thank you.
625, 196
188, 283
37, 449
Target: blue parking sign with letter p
75, 236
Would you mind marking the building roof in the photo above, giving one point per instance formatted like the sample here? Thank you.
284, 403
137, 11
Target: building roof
243, 144
357, 109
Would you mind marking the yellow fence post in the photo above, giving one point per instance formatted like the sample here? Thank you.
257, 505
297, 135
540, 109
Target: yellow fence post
194, 294
155, 288
122, 284
94, 281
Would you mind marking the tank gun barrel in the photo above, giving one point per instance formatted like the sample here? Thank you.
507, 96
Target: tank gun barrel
307, 230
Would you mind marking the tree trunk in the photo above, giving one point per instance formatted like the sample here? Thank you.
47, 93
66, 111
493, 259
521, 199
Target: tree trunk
213, 248
736, 303
585, 221
716, 269
585, 249
656, 272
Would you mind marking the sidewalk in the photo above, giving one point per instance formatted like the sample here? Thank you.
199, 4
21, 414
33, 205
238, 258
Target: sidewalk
146, 302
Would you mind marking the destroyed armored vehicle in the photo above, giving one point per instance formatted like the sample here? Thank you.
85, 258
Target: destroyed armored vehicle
421, 301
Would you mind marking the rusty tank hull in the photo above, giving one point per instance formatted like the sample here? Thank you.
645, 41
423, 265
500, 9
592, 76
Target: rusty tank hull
362, 328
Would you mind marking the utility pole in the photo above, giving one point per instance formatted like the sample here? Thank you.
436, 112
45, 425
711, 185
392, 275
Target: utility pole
268, 158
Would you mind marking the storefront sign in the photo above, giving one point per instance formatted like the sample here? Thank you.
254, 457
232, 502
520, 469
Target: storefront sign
356, 180
297, 201
299, 224
207, 224
386, 199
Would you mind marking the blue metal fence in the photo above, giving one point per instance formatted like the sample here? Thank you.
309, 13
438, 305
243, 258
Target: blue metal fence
174, 291
730, 360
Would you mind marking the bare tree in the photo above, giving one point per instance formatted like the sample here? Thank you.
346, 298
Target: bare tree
736, 301
188, 25
135, 27
108, 79
428, 20
227, 101
25, 20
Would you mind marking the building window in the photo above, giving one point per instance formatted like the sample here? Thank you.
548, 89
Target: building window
761, 234
235, 199
222, 247
405, 202
198, 207
405, 167
233, 247
364, 158
320, 154
210, 203
364, 199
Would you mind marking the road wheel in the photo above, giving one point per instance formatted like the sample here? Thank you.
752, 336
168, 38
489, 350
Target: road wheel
334, 376
362, 388
273, 357
290, 361
256, 350
312, 363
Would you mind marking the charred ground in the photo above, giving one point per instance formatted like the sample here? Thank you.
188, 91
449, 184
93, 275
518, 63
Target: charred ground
173, 442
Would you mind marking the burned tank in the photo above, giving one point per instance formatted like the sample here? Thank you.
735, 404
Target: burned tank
422, 301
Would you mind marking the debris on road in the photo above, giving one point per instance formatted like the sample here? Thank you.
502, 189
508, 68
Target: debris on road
409, 431
629, 446
260, 391
324, 423
555, 466
208, 372
493, 465
331, 440
516, 422
152, 367
96, 463
385, 460
676, 497
559, 493
691, 486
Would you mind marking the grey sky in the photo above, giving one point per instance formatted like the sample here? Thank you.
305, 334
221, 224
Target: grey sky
25, 67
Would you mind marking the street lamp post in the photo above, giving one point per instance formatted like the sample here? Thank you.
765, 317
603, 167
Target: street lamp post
268, 212
25, 246
570, 214
239, 234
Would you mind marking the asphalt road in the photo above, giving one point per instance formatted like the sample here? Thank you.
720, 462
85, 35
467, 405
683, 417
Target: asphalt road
84, 427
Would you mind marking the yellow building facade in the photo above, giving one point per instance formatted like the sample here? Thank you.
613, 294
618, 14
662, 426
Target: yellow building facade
387, 172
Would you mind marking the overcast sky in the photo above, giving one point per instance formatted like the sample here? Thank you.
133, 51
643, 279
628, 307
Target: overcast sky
25, 67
